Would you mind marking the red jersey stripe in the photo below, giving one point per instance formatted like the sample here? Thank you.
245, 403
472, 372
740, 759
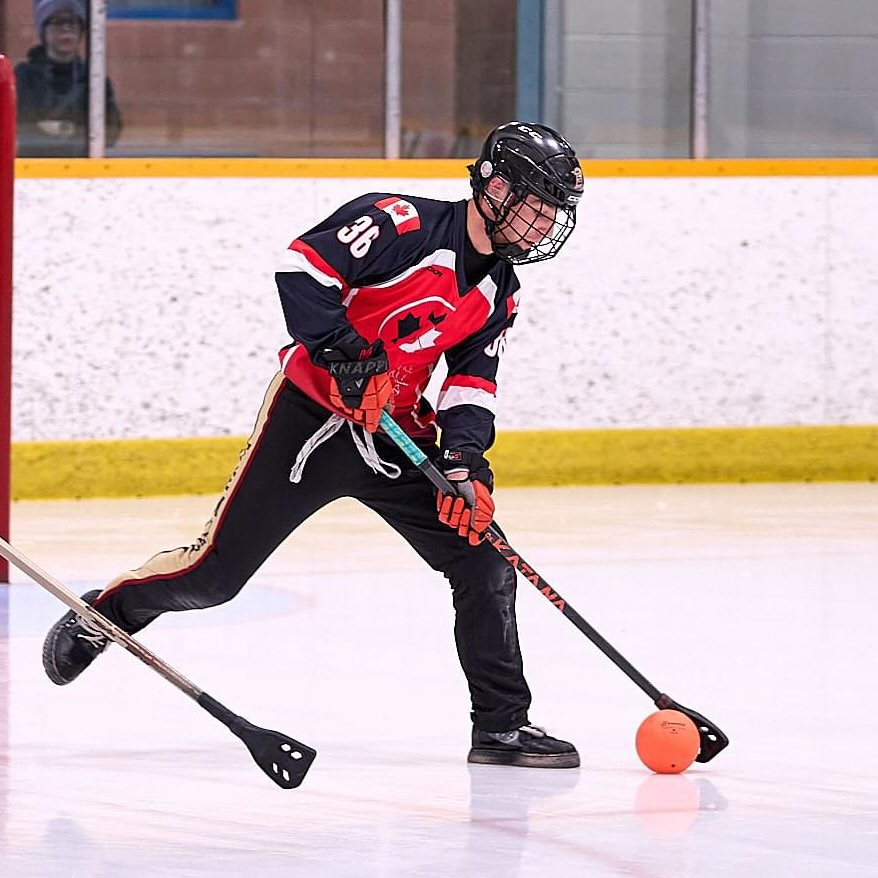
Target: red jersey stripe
316, 260
469, 381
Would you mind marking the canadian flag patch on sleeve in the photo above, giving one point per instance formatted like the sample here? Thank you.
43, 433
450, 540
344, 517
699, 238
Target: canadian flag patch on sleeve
403, 213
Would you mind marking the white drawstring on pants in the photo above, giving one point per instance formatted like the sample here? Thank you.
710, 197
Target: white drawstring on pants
366, 447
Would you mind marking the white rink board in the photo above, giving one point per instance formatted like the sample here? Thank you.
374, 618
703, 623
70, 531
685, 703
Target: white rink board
147, 307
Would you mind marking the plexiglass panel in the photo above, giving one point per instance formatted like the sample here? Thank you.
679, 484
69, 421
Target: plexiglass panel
624, 87
299, 78
794, 78
291, 78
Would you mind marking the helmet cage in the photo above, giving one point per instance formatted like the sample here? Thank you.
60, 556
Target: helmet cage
513, 223
553, 184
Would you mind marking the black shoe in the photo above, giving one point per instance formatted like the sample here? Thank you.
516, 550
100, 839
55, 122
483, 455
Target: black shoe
72, 644
528, 746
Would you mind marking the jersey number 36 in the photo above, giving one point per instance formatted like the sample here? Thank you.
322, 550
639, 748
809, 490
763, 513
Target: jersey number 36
360, 235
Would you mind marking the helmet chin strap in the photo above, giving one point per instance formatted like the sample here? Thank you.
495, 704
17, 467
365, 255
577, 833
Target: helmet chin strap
503, 250
507, 250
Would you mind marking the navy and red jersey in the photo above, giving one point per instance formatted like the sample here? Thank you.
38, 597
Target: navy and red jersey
391, 267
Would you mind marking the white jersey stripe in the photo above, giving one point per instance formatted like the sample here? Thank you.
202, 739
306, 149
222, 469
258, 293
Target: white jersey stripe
293, 260
445, 258
467, 396
288, 356
488, 288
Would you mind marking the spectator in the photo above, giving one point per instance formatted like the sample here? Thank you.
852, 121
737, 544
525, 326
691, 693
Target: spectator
52, 86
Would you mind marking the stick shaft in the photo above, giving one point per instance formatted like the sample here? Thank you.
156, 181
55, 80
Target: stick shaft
114, 632
514, 558
269, 749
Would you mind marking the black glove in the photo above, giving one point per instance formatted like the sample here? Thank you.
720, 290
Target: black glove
361, 386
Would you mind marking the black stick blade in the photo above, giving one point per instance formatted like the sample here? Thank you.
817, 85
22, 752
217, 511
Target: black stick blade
713, 739
284, 759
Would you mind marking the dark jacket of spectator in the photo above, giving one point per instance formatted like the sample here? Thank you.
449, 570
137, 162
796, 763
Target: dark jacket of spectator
52, 94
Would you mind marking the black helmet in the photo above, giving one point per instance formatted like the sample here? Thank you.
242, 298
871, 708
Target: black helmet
535, 161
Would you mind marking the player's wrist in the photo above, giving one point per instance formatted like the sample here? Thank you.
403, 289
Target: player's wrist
458, 465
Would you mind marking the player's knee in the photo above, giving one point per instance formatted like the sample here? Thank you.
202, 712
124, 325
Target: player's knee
220, 583
486, 574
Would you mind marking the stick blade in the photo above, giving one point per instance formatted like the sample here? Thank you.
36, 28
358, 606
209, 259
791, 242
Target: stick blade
713, 739
284, 759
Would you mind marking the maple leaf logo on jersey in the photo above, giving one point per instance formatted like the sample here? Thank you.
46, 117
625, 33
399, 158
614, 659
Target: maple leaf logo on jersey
412, 326
422, 342
403, 213
408, 325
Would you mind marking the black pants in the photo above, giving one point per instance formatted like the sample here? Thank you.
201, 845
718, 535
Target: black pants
260, 507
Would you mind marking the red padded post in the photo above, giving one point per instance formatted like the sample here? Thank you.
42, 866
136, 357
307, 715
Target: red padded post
7, 172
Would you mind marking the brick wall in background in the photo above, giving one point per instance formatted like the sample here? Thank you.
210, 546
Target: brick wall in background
484, 70
294, 77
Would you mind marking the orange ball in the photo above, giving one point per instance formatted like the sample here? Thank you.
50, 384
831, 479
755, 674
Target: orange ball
667, 742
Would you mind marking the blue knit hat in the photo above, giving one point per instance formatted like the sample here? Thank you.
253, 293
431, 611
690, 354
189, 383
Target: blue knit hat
45, 9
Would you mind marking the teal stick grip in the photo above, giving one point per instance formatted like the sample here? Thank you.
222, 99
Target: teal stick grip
400, 437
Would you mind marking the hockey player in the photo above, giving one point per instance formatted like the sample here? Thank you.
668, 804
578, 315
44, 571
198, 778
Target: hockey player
373, 296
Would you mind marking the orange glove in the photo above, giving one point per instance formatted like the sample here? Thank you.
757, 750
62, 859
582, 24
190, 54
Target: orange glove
376, 395
471, 508
360, 387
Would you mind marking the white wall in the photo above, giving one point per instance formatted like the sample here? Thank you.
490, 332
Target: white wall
147, 307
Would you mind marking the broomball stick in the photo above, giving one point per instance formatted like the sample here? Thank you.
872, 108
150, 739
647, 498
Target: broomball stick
712, 739
285, 760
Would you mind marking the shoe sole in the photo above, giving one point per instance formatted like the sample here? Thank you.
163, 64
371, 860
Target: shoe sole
523, 760
49, 665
